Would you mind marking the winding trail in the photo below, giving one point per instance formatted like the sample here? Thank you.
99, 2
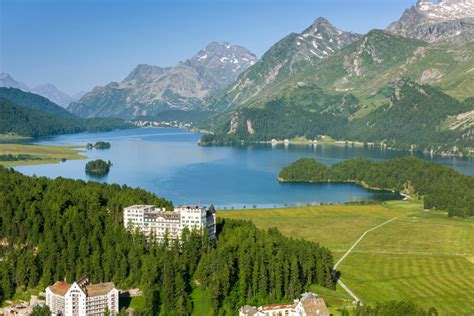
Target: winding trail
345, 287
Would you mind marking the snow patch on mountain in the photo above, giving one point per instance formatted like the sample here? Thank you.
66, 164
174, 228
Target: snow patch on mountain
446, 10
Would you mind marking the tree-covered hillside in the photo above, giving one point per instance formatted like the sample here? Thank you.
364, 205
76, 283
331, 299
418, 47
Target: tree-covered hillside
440, 187
413, 117
302, 111
31, 122
33, 101
56, 229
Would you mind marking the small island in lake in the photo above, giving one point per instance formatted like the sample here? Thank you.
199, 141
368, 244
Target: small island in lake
98, 167
99, 145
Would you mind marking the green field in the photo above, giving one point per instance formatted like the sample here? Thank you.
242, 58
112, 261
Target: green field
43, 154
10, 137
421, 256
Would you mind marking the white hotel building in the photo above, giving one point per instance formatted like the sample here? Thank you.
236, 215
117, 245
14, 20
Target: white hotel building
82, 298
153, 221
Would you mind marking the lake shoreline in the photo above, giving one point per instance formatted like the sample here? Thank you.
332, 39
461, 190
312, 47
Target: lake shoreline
168, 163
40, 154
344, 143
362, 184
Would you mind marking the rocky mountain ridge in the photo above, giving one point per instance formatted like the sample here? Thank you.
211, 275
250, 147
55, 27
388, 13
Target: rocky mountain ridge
149, 89
445, 21
289, 56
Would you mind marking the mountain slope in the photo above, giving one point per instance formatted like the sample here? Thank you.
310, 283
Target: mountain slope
364, 66
21, 115
46, 90
415, 116
28, 122
303, 111
8, 82
50, 91
283, 60
33, 101
148, 90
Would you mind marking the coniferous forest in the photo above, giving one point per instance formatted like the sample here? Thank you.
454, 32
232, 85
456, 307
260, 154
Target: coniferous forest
31, 115
440, 187
413, 117
62, 229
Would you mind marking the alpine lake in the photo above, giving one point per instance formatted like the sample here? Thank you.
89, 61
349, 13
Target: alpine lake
169, 162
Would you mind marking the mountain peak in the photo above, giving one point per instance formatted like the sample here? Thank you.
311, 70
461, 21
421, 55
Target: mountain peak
142, 71
217, 45
321, 21
219, 63
446, 20
149, 89
321, 24
322, 39
222, 49
5, 75
7, 81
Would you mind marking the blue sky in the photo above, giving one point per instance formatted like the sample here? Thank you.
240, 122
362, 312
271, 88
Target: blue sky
77, 45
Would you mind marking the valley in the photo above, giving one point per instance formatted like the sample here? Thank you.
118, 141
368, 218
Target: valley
319, 169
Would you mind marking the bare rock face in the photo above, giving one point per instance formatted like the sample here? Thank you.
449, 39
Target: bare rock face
219, 64
445, 21
431, 75
149, 89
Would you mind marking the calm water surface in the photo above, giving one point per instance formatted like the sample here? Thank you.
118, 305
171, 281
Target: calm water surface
169, 163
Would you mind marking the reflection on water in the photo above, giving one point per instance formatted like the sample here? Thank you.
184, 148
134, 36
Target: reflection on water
169, 163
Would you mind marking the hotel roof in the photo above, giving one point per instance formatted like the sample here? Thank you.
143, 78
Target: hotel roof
276, 306
315, 306
60, 288
99, 289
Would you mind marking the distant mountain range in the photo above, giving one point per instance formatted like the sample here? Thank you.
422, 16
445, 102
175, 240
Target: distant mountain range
416, 78
289, 57
148, 89
327, 81
46, 90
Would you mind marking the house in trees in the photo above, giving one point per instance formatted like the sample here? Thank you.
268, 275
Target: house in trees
82, 298
156, 222
308, 305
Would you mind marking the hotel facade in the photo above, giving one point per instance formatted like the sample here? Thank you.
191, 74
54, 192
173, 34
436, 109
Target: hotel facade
155, 222
82, 298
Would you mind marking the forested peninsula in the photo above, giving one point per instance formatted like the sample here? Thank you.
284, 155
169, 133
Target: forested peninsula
62, 229
439, 187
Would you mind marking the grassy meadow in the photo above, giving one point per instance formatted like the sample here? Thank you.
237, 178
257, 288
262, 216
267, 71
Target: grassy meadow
421, 256
42, 154
11, 137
